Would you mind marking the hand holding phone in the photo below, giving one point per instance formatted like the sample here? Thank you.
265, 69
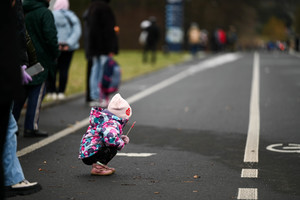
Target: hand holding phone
35, 69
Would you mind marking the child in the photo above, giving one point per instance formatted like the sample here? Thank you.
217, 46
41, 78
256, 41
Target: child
104, 135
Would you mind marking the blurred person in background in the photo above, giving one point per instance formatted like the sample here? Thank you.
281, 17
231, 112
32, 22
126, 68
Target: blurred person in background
40, 25
231, 38
153, 35
68, 32
194, 36
100, 42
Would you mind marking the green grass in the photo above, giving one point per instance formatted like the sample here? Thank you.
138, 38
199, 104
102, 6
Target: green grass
130, 62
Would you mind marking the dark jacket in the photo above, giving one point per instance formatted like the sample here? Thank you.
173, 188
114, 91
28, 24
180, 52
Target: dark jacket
21, 33
41, 28
100, 36
153, 35
10, 76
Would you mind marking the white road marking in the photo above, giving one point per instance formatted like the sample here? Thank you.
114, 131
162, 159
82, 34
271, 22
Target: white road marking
252, 144
249, 173
291, 148
53, 138
247, 193
136, 154
210, 63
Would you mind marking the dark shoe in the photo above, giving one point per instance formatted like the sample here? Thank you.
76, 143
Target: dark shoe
35, 133
22, 188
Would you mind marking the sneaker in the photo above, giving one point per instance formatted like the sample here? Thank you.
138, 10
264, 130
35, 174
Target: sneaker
53, 96
22, 188
61, 96
100, 169
35, 133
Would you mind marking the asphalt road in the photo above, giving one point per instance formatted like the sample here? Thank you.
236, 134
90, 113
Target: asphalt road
192, 125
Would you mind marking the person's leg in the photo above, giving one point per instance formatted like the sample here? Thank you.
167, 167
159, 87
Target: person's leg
4, 118
35, 99
14, 181
65, 61
103, 60
153, 58
89, 67
99, 161
96, 76
12, 168
94, 89
145, 58
104, 155
19, 104
51, 83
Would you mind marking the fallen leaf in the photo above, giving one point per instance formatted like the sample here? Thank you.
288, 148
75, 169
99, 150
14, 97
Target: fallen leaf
196, 176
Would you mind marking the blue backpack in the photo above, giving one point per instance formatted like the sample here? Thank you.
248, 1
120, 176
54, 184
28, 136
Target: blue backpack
111, 77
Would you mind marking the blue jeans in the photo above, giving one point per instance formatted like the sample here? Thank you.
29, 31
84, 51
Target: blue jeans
13, 172
35, 95
96, 76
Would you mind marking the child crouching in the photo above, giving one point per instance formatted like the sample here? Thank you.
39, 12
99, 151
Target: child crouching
104, 135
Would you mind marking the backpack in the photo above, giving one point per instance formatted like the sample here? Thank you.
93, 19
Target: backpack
143, 37
111, 77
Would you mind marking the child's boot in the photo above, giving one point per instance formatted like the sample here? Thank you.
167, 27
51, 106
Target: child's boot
100, 169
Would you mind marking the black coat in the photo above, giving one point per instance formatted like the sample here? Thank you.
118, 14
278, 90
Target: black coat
153, 35
10, 51
100, 36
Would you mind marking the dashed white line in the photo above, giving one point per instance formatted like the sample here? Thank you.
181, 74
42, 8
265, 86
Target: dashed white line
252, 144
249, 173
247, 193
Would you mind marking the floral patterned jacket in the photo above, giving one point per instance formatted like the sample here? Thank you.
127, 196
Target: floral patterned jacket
105, 129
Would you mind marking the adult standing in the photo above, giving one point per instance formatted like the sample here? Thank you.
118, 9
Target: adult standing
10, 76
39, 22
153, 35
14, 180
100, 42
68, 33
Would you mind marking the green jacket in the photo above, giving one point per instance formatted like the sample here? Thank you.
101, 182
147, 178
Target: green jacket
41, 28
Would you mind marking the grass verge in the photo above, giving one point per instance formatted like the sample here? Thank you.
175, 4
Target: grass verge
130, 62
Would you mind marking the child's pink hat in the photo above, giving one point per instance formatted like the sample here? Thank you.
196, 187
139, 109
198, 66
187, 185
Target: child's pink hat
119, 107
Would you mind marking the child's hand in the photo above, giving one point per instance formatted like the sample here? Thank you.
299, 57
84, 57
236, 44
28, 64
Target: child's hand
125, 138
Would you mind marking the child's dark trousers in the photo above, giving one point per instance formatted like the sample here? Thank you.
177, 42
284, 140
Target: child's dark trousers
104, 155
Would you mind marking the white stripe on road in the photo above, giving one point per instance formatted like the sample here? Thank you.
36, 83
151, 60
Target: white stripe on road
53, 138
210, 63
249, 173
141, 155
247, 193
252, 144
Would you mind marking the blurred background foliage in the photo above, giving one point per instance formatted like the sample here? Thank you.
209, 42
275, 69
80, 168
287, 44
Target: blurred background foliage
255, 20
